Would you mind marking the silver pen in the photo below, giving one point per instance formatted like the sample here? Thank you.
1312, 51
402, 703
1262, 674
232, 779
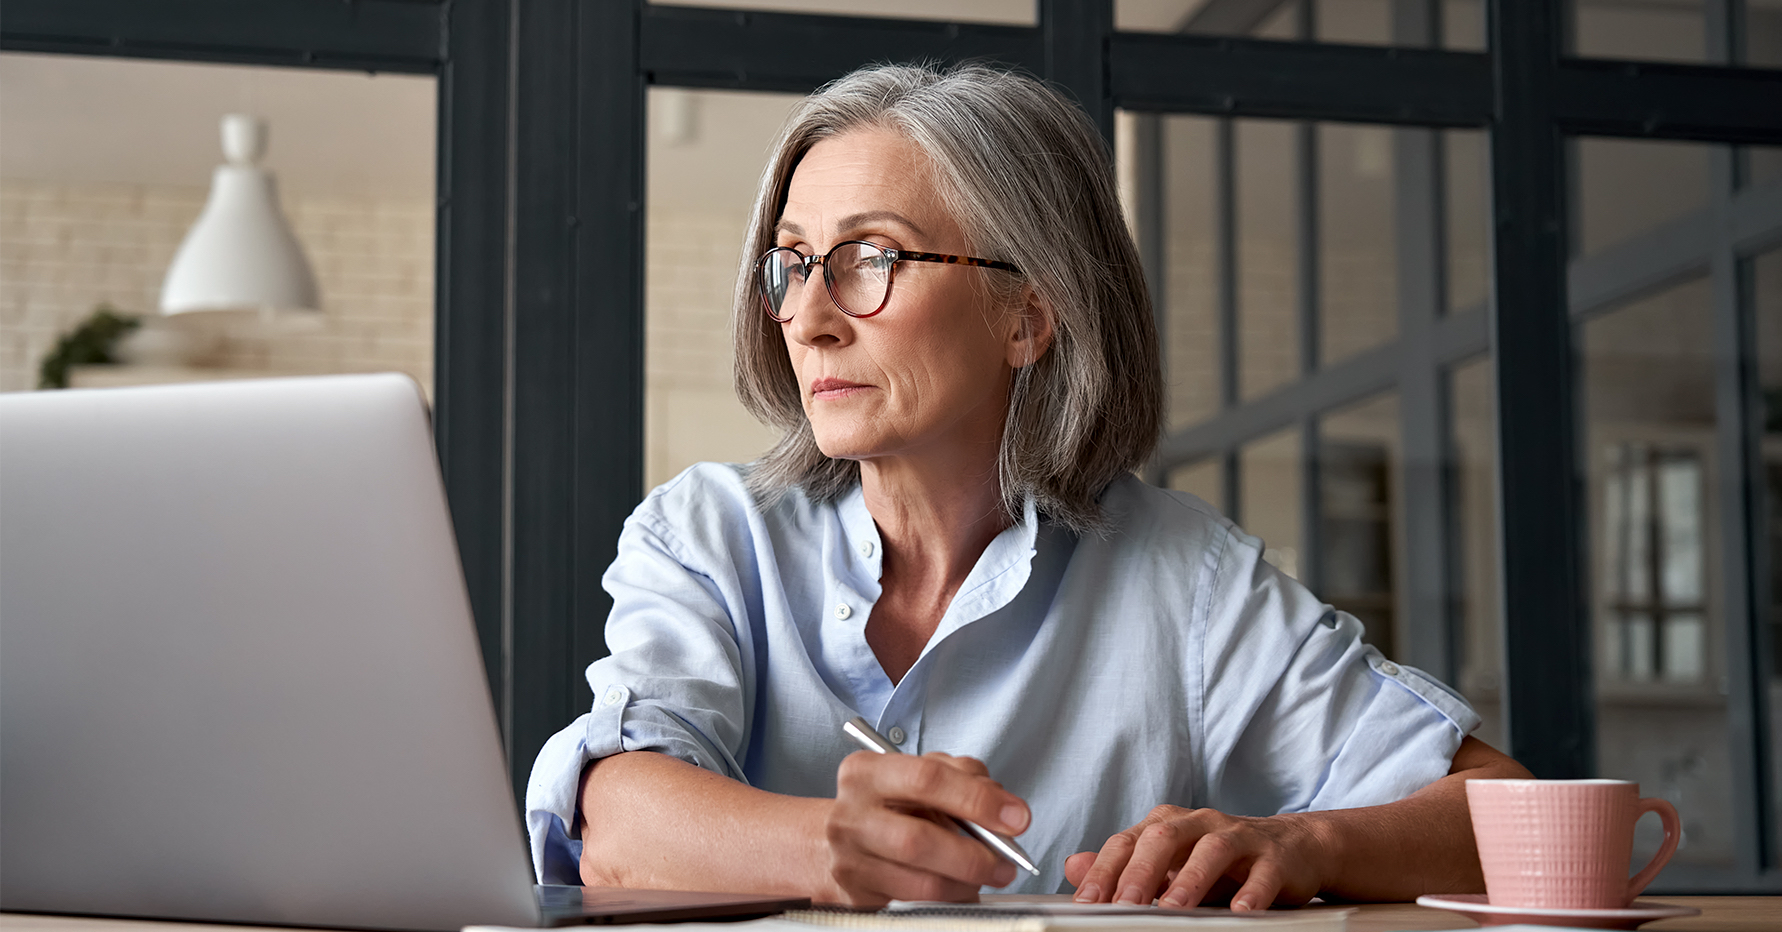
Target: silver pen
858, 729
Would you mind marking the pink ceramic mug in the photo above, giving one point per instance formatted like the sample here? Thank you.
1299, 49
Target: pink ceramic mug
1563, 844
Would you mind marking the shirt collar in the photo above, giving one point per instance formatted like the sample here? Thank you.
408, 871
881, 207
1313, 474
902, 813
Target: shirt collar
998, 575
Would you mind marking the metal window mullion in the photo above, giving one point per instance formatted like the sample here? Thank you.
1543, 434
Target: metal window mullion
542, 532
1151, 229
470, 300
609, 380
1311, 453
577, 397
1547, 696
1074, 48
1225, 171
1655, 554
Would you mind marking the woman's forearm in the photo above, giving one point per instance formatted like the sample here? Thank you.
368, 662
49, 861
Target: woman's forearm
1420, 844
652, 821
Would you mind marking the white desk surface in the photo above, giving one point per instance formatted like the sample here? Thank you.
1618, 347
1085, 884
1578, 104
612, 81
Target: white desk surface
1719, 914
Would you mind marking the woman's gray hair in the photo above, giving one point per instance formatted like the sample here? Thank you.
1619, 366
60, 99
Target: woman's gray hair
1030, 182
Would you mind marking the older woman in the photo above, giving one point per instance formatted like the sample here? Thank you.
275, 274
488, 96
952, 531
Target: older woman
942, 310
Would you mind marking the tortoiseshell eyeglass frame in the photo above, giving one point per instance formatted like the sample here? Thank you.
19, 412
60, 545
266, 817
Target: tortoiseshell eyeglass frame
894, 255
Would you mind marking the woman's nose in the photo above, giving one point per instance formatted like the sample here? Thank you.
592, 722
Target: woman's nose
815, 318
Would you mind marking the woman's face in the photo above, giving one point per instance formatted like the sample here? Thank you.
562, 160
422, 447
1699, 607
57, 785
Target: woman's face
930, 373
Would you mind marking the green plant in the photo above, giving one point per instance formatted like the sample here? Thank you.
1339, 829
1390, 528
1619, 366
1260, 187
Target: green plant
90, 342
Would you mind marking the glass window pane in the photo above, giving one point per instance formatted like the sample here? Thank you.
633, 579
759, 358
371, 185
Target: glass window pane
1473, 517
1683, 648
1205, 479
1648, 398
1680, 510
1269, 497
1763, 165
1766, 291
1283, 23
1356, 22
1267, 250
106, 163
1016, 12
1359, 473
1463, 25
1626, 188
1358, 266
1468, 186
1763, 33
706, 149
1154, 15
1191, 299
1668, 31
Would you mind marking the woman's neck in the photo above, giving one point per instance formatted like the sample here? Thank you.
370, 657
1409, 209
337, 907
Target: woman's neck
935, 515
935, 519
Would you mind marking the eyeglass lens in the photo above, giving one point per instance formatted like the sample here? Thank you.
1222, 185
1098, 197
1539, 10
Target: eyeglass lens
858, 276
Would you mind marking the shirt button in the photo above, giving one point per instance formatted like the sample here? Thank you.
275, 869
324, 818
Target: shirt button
842, 611
1389, 668
615, 696
896, 735
866, 548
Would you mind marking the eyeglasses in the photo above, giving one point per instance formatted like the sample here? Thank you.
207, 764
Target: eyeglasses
856, 273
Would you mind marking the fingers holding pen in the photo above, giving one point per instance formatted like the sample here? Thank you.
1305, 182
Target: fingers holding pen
956, 786
887, 840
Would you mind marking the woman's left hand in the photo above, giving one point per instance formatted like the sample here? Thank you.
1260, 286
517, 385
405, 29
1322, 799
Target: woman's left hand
1185, 856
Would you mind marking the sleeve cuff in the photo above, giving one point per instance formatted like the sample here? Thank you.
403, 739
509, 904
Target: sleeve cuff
556, 775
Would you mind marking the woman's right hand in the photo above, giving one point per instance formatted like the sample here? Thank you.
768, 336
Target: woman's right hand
889, 837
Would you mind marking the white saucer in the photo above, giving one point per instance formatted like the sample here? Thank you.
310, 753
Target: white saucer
1477, 908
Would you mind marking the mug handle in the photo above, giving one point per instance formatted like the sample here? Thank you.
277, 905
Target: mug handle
1668, 815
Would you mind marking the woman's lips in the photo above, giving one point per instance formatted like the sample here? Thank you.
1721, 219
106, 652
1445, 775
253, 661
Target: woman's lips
830, 389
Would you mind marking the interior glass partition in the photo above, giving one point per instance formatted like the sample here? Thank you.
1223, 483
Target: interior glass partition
1270, 499
1357, 256
1474, 600
1625, 188
706, 149
1268, 243
1652, 480
1205, 479
1674, 30
1466, 215
1765, 278
1359, 549
1188, 304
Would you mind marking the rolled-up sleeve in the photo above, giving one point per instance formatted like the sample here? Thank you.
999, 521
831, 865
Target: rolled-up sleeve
1303, 715
674, 683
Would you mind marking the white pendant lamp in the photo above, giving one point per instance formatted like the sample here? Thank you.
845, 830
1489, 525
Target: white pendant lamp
241, 254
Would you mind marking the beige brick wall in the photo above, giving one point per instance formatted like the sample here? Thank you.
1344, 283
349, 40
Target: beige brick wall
68, 247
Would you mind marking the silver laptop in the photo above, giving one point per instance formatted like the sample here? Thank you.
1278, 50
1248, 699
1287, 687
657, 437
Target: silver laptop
239, 680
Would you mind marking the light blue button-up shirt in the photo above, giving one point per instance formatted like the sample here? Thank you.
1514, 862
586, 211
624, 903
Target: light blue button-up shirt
1096, 676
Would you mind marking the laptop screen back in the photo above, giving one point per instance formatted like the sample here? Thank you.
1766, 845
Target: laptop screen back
239, 680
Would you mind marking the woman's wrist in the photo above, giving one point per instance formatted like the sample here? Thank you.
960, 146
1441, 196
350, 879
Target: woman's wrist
1325, 845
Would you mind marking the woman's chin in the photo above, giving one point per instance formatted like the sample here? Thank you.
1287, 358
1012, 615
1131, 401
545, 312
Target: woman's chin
848, 443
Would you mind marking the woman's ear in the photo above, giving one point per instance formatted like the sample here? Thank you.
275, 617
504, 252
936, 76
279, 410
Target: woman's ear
1032, 335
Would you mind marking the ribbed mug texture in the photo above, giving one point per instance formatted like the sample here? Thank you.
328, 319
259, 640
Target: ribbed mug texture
1558, 844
